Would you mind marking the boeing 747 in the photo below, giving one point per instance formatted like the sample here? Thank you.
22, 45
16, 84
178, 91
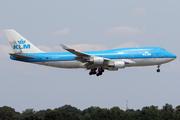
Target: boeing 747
95, 61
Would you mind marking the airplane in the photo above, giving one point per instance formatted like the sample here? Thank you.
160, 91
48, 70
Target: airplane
95, 61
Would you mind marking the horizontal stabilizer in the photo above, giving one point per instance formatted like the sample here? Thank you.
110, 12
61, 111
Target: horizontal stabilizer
21, 56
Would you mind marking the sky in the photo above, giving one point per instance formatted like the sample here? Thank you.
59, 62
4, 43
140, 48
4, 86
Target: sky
86, 26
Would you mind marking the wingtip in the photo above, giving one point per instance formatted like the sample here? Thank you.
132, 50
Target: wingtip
63, 46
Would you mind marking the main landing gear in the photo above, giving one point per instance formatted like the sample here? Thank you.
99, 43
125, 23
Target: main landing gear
158, 70
93, 71
98, 73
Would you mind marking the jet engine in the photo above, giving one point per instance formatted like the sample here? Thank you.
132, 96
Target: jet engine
119, 64
98, 60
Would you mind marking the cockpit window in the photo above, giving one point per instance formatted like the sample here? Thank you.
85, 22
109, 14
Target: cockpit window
163, 49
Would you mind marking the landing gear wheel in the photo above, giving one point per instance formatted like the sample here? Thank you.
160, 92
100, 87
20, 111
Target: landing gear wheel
158, 70
99, 73
93, 71
101, 70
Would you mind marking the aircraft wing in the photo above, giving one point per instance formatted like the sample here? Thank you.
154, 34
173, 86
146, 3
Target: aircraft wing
78, 53
88, 59
82, 57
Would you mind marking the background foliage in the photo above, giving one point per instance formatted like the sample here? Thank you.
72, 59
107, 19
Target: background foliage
67, 112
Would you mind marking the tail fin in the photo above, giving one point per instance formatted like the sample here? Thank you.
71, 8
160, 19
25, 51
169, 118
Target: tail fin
19, 44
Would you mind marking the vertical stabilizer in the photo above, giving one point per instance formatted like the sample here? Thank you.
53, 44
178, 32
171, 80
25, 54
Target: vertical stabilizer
20, 44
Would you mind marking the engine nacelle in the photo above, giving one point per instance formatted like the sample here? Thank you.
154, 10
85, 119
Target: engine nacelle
119, 64
98, 60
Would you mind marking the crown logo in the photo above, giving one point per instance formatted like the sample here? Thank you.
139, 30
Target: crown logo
21, 41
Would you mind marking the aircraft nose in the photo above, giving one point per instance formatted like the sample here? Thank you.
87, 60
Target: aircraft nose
173, 56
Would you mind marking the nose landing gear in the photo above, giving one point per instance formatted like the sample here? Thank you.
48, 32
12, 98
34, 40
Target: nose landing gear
158, 70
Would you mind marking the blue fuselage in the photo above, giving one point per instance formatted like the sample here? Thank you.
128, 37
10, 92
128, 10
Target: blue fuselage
123, 53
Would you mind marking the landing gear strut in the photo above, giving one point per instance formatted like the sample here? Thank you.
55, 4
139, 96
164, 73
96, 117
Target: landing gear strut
158, 70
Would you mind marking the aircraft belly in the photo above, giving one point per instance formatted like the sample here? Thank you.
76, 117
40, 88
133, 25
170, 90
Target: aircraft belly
129, 62
63, 64
155, 61
149, 61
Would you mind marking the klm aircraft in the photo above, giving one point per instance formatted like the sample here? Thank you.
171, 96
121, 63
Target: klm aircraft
95, 61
